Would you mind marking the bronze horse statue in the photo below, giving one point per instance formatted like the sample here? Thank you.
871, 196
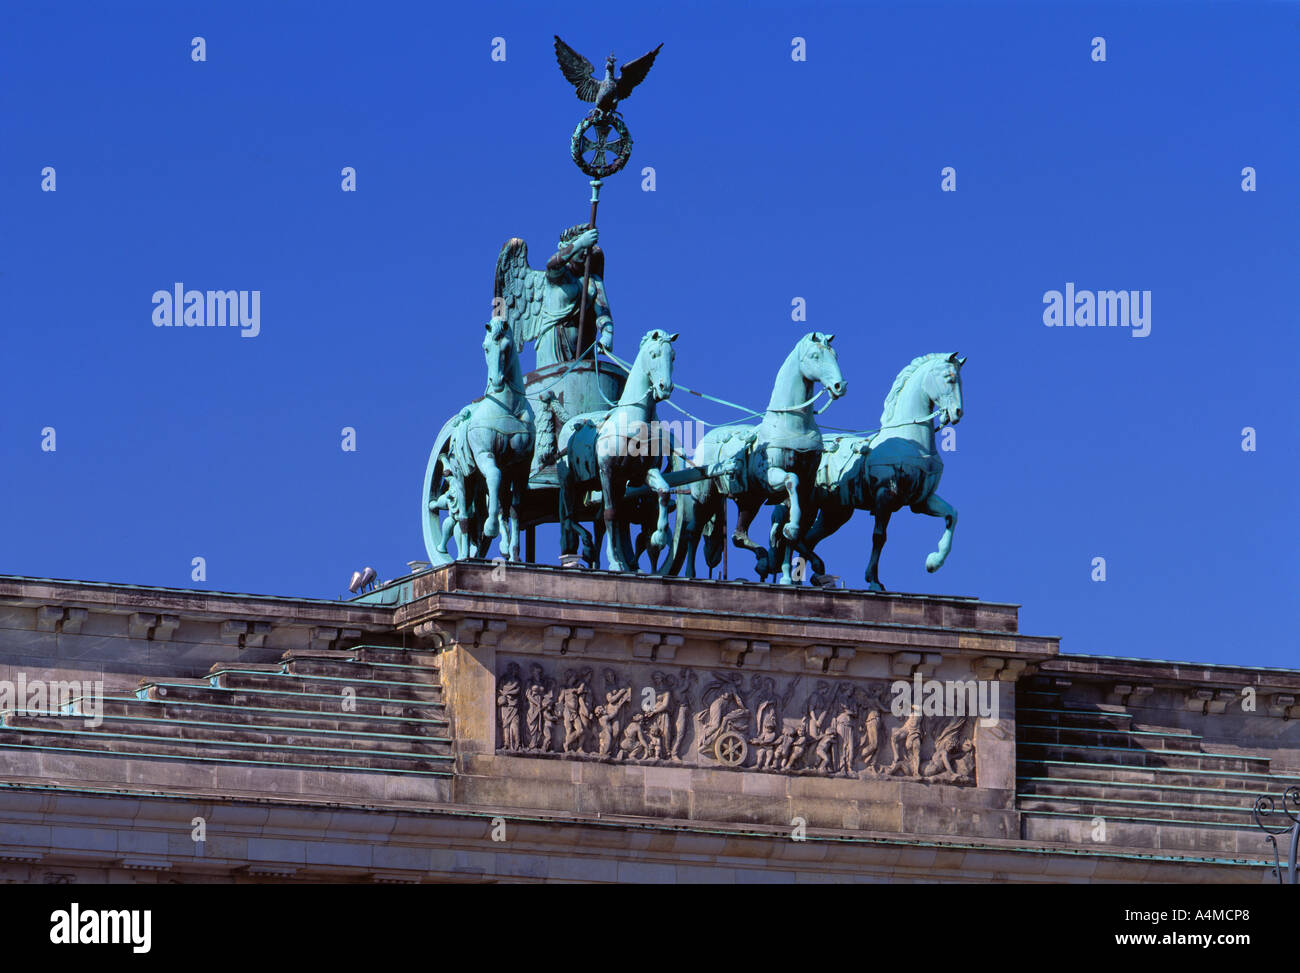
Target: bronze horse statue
617, 449
898, 466
775, 460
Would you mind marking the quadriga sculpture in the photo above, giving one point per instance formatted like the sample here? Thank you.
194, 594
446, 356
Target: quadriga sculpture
896, 467
775, 460
617, 449
490, 450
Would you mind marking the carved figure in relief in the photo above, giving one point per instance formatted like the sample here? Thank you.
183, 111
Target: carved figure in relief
964, 768
825, 752
540, 715
575, 709
508, 707
446, 530
549, 718
784, 747
793, 744
607, 714
818, 709
769, 736
820, 732
842, 731
658, 718
762, 689
910, 751
634, 745
946, 744
843, 727
870, 738
683, 719
550, 420
726, 713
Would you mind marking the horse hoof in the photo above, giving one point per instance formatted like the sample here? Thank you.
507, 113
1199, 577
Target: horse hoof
659, 540
790, 532
933, 562
874, 585
490, 530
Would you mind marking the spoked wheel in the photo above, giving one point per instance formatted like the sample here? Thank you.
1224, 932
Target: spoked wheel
731, 749
435, 482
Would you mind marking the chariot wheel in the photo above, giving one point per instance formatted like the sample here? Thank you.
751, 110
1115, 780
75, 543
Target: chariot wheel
434, 483
731, 749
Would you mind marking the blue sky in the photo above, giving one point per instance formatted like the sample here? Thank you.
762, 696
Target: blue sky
774, 179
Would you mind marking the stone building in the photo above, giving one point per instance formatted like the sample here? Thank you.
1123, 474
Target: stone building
525, 723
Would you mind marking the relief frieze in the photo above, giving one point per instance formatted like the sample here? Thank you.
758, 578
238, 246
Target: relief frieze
681, 716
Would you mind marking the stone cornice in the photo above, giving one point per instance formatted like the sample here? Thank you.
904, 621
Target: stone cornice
200, 605
534, 596
1155, 672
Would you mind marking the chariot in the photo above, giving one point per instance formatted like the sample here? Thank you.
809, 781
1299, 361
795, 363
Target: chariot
583, 386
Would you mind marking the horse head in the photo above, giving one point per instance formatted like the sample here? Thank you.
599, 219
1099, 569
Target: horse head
655, 360
928, 384
498, 349
942, 385
819, 362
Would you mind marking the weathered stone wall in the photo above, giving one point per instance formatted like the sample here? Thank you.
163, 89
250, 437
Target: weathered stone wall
584, 726
591, 694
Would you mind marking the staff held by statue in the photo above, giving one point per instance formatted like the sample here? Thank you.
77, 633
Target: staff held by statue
592, 155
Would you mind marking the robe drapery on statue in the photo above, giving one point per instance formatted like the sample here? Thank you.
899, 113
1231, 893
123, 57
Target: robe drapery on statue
542, 305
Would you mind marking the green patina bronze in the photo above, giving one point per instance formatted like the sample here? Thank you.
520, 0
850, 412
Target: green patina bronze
611, 449
573, 441
775, 460
487, 453
544, 306
897, 466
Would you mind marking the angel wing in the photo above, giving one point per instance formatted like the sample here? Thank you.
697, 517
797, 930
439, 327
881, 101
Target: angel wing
632, 73
577, 70
521, 288
948, 735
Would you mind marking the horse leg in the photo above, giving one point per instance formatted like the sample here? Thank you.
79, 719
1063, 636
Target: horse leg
624, 542
655, 480
487, 464
795, 543
655, 533
682, 530
571, 531
936, 506
518, 483
699, 515
614, 551
779, 479
878, 537
782, 551
830, 518
747, 508
775, 537
643, 546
